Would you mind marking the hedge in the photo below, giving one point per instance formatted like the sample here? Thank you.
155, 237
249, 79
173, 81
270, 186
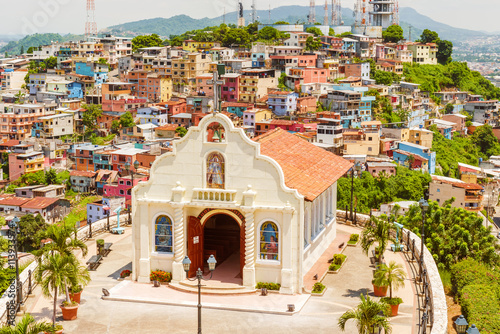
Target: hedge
481, 306
338, 259
470, 271
268, 286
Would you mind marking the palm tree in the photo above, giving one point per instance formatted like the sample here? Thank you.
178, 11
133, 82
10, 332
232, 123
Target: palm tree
54, 273
367, 316
394, 275
27, 325
64, 240
378, 230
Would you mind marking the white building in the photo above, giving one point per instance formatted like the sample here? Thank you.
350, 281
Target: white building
55, 126
264, 209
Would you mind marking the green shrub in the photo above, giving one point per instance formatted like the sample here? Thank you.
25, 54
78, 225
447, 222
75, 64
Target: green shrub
268, 286
338, 259
318, 287
353, 239
469, 272
100, 242
392, 301
481, 306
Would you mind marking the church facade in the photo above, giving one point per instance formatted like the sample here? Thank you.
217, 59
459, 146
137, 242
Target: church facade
265, 208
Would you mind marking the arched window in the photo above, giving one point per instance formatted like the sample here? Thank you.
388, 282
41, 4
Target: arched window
215, 171
216, 133
163, 234
269, 241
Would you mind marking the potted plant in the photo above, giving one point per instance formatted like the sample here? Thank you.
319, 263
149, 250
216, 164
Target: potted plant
160, 276
125, 273
100, 246
367, 316
56, 329
377, 231
380, 284
395, 277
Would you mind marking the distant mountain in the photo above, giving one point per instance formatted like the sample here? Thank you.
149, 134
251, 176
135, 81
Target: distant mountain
14, 47
416, 20
293, 14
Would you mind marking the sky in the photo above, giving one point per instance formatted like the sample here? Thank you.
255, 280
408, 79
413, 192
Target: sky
68, 16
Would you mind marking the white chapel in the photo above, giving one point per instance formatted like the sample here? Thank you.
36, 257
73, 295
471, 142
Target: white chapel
265, 208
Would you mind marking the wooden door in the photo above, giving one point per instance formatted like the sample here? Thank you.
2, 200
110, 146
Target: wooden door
195, 245
242, 248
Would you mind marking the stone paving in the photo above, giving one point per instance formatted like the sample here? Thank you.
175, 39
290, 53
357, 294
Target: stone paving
318, 315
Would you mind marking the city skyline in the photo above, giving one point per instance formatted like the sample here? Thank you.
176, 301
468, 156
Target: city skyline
52, 15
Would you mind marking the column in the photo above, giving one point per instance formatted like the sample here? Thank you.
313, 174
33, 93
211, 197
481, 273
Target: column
289, 245
178, 273
145, 244
248, 209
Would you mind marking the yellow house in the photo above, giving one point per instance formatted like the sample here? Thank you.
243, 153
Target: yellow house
166, 87
424, 53
193, 46
421, 137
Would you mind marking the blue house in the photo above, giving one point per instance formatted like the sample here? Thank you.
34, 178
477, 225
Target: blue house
423, 158
258, 59
282, 103
156, 115
352, 104
98, 71
237, 108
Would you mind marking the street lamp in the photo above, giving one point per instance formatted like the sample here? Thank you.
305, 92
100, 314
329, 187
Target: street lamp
424, 206
14, 230
473, 330
186, 263
461, 324
356, 167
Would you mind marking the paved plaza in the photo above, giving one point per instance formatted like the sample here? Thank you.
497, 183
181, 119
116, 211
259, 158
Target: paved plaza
318, 314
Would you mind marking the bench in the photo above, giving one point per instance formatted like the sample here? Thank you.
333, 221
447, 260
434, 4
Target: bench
94, 262
107, 248
342, 245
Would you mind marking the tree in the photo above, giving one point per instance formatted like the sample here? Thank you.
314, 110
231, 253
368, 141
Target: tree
27, 325
367, 316
90, 115
393, 34
22, 50
30, 50
126, 120
383, 78
281, 81
31, 228
103, 61
449, 108
115, 126
345, 34
315, 31
51, 176
146, 41
445, 50
54, 274
281, 23
64, 240
236, 36
331, 32
429, 36
393, 274
50, 62
181, 131
268, 33
486, 141
312, 44
377, 231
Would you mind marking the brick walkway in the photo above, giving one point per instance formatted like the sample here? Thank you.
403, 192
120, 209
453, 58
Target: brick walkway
321, 266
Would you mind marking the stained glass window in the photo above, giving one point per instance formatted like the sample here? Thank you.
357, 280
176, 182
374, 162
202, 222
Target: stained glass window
163, 234
269, 241
215, 171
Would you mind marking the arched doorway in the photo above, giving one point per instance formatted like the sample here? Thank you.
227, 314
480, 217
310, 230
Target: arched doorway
222, 238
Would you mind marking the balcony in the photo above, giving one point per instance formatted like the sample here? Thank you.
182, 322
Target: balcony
34, 161
474, 199
214, 195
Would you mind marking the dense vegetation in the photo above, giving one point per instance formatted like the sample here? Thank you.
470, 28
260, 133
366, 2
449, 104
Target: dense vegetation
370, 192
434, 78
478, 290
34, 41
468, 150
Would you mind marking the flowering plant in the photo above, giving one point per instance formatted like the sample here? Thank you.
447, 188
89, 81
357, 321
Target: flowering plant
160, 276
125, 273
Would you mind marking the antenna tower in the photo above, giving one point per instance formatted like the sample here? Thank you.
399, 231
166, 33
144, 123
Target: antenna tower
395, 15
325, 19
312, 12
90, 25
254, 12
336, 13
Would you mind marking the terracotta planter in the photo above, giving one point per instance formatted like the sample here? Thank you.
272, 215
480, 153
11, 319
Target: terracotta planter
75, 297
56, 332
69, 312
380, 291
394, 310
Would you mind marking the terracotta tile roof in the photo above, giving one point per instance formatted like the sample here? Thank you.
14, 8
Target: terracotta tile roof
457, 183
307, 168
39, 203
14, 201
167, 127
278, 92
81, 173
282, 122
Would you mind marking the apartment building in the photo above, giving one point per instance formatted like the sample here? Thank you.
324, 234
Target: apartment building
468, 196
282, 103
330, 133
56, 126
255, 83
186, 69
484, 112
424, 53
17, 120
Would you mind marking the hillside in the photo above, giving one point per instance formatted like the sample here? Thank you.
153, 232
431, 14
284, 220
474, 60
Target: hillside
293, 14
14, 47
